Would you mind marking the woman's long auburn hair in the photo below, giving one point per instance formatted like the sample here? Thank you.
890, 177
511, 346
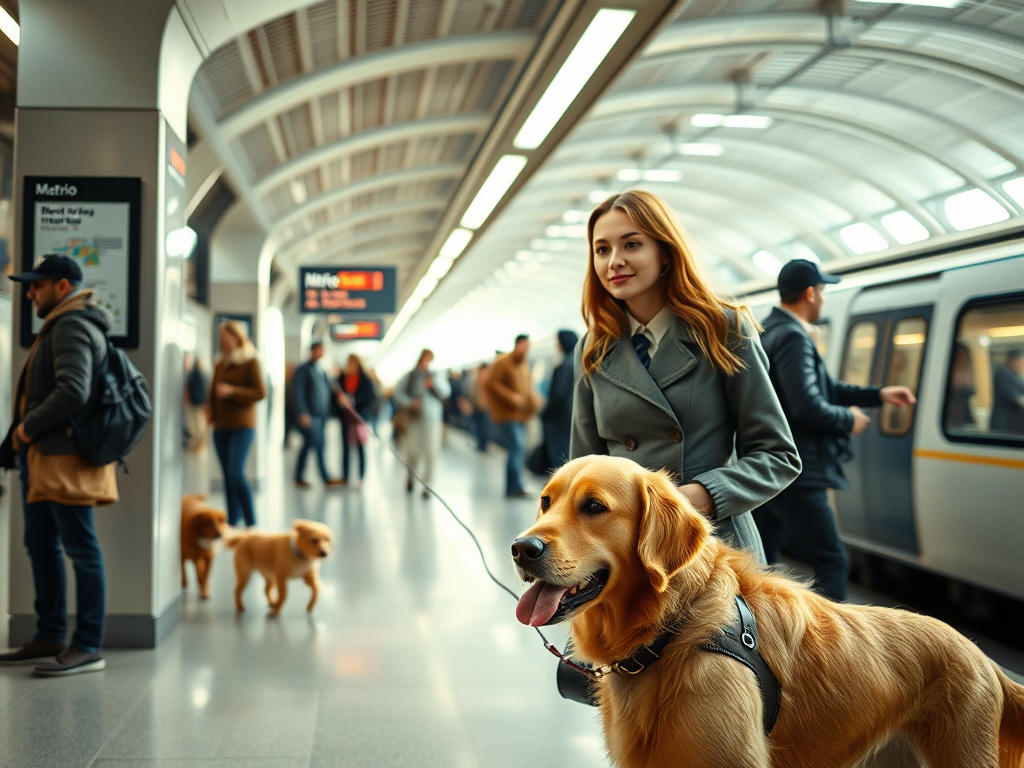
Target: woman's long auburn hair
688, 293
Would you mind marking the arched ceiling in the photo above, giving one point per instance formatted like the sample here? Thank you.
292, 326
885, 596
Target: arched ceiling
875, 117
359, 131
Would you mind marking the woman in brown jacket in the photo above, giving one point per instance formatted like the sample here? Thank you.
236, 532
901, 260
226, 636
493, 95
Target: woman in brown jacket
236, 388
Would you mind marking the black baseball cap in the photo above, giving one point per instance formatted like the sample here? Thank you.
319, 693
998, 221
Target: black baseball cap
52, 265
800, 274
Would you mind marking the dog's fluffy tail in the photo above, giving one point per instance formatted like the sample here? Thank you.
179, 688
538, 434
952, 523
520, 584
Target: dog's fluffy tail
1011, 727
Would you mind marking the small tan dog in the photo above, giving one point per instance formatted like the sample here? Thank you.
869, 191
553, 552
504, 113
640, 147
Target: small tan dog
618, 553
201, 526
279, 557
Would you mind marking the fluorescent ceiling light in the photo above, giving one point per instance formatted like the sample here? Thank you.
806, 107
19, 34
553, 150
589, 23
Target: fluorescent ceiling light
10, 27
767, 263
504, 174
973, 208
862, 238
439, 267
654, 174
801, 251
588, 53
566, 230
705, 120
425, 286
904, 227
549, 245
701, 148
298, 191
599, 196
748, 121
456, 243
524, 256
576, 217
932, 3
1015, 189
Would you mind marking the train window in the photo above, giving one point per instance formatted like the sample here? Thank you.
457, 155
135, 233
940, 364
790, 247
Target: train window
860, 352
985, 387
822, 336
908, 338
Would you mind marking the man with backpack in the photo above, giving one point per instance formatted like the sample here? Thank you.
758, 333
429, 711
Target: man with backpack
59, 486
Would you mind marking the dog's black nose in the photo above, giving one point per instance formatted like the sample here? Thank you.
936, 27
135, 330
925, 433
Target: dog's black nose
527, 548
323, 553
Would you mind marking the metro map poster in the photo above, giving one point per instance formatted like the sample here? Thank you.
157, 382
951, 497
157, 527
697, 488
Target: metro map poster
85, 220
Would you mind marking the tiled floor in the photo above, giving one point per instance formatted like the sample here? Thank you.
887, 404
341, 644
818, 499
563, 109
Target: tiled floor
411, 658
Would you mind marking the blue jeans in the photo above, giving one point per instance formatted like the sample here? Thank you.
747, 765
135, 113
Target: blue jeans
482, 428
512, 436
313, 437
801, 520
232, 450
48, 527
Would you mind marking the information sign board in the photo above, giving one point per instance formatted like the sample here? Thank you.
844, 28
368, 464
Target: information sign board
348, 289
357, 329
95, 221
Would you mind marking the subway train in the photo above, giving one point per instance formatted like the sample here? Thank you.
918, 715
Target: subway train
940, 486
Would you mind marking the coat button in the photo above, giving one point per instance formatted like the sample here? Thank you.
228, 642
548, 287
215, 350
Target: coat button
676, 435
630, 443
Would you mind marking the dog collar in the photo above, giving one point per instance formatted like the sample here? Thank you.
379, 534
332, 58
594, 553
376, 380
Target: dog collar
644, 656
738, 641
295, 549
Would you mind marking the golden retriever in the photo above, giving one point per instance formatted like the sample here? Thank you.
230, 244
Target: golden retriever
279, 557
618, 552
201, 526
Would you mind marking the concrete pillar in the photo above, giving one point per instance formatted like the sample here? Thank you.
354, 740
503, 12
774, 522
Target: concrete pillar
102, 91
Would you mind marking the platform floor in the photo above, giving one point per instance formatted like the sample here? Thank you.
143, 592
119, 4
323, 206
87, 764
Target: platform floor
411, 658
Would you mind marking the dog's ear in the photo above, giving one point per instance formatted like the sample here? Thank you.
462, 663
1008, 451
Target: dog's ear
670, 536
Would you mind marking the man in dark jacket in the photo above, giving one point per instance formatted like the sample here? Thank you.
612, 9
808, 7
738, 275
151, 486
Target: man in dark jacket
822, 413
557, 413
59, 374
313, 398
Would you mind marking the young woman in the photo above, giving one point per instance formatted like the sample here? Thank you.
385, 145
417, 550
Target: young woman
671, 376
356, 395
236, 388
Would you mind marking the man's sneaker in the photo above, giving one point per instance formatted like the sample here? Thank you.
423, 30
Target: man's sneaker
33, 650
70, 662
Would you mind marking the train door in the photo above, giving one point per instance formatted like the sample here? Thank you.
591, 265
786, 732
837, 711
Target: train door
884, 349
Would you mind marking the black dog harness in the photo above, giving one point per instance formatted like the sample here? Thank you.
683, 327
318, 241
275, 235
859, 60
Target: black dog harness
738, 641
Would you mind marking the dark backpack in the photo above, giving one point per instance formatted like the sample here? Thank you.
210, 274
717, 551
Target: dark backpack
117, 414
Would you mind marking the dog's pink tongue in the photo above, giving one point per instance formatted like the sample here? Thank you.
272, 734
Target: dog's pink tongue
539, 603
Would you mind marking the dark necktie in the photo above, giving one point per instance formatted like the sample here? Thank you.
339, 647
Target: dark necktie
641, 344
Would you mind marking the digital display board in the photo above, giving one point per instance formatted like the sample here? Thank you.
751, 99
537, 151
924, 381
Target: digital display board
357, 329
349, 289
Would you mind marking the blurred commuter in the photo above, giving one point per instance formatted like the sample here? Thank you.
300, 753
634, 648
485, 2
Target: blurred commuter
59, 488
313, 399
378, 400
421, 394
290, 416
1008, 395
357, 397
513, 403
197, 391
671, 376
557, 413
481, 417
822, 413
231, 408
961, 389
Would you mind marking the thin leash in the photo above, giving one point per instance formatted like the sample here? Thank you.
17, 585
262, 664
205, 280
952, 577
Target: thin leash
483, 558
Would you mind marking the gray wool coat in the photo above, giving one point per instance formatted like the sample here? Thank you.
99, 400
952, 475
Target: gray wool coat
727, 433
